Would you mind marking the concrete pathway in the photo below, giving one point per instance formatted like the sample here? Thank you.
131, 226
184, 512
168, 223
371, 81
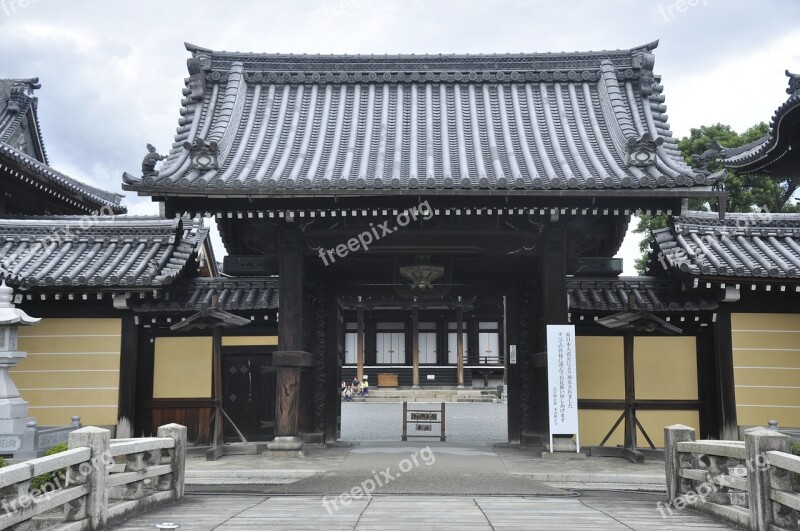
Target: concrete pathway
590, 511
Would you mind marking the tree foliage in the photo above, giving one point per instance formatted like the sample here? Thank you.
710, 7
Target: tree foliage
747, 193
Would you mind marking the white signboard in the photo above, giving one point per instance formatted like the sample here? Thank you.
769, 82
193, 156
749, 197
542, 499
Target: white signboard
562, 385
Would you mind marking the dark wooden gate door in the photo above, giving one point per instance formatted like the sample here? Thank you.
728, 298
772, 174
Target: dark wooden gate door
248, 392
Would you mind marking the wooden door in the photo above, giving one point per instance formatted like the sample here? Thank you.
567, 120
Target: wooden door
248, 392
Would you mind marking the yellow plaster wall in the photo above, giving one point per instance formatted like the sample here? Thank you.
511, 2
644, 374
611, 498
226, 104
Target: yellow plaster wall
664, 367
72, 368
182, 367
766, 360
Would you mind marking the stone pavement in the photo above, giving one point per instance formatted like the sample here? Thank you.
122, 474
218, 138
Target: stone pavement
429, 485
589, 511
251, 473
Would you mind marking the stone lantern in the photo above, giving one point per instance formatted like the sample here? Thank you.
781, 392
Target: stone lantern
13, 408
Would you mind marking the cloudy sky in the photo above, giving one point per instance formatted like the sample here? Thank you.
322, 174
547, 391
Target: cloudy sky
112, 72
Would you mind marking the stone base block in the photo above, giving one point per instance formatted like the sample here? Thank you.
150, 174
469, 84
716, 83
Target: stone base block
284, 447
562, 444
562, 456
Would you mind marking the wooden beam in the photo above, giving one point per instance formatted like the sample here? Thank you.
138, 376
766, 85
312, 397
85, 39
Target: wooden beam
216, 360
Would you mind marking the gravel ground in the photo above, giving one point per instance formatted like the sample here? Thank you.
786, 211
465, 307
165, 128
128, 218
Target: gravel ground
365, 421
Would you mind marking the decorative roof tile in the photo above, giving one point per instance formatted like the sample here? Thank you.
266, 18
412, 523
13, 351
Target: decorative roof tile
754, 245
634, 293
232, 294
104, 253
263, 125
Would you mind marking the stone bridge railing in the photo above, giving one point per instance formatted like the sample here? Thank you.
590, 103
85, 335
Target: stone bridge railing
751, 483
107, 480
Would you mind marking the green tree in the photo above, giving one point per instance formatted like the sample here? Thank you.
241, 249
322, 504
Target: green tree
747, 193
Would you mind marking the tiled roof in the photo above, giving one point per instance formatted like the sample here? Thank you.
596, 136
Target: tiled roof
17, 104
634, 293
743, 245
105, 253
58, 184
775, 154
232, 294
263, 125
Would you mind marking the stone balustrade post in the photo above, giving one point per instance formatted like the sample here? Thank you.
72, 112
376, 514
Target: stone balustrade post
178, 455
672, 461
764, 513
93, 474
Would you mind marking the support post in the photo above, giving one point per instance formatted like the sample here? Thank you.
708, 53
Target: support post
764, 514
460, 346
218, 441
360, 317
96, 502
723, 361
630, 393
291, 358
672, 436
554, 311
415, 347
177, 457
126, 413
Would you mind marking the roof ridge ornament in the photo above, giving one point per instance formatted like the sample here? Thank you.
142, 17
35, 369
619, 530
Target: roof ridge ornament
149, 161
204, 155
794, 84
642, 151
701, 162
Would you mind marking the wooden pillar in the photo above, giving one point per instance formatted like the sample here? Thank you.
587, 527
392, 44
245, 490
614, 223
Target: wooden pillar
129, 342
333, 367
290, 282
707, 384
290, 358
512, 373
415, 347
216, 362
630, 392
460, 346
360, 361
554, 311
723, 361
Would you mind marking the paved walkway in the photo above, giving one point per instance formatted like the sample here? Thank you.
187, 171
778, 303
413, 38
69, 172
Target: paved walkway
323, 465
591, 511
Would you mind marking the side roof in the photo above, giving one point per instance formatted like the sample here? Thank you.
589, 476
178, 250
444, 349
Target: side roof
22, 153
264, 125
109, 254
750, 246
778, 153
